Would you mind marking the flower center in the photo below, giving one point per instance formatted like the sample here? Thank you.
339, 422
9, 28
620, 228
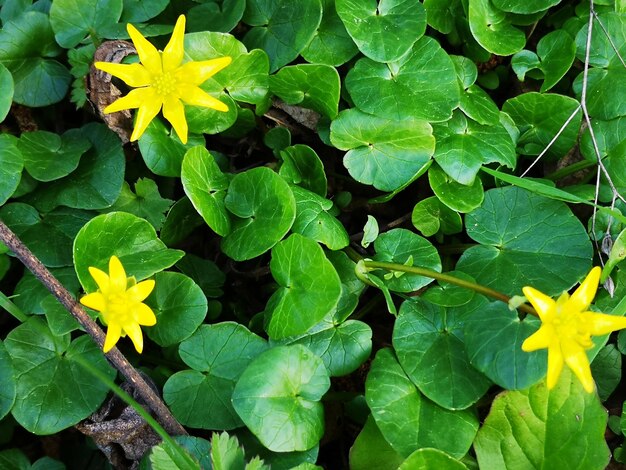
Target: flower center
573, 326
165, 84
118, 307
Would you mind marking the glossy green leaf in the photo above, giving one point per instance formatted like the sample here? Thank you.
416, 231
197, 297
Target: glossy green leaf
302, 166
224, 14
49, 236
369, 23
493, 30
342, 347
7, 88
524, 7
312, 86
429, 216
405, 247
181, 220
281, 28
48, 156
205, 185
95, 184
450, 295
26, 45
277, 397
441, 14
131, 239
606, 369
351, 285
456, 196
30, 293
331, 44
478, 105
309, 287
606, 92
540, 428
493, 340
54, 392
73, 20
163, 151
7, 378
463, 146
421, 84
179, 305
370, 231
371, 450
384, 153
426, 459
408, 420
557, 51
218, 355
428, 341
205, 273
137, 11
539, 117
11, 164
59, 319
608, 42
314, 221
14, 459
264, 209
532, 241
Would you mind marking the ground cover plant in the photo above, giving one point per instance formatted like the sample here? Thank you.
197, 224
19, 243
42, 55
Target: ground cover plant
312, 234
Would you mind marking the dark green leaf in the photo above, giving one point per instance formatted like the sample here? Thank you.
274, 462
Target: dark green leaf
72, 20
11, 164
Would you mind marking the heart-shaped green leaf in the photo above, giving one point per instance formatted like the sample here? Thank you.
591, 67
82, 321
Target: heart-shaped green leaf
224, 14
309, 287
429, 216
131, 239
384, 153
72, 20
218, 355
458, 197
533, 241
11, 165
371, 22
264, 210
421, 84
524, 7
7, 88
493, 30
302, 166
371, 450
7, 378
425, 459
278, 398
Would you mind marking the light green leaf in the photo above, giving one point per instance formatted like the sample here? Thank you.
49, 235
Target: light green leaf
370, 231
11, 164
264, 210
493, 30
309, 287
369, 23
429, 216
384, 153
409, 421
131, 239
277, 397
302, 166
456, 196
421, 84
533, 241
7, 88
524, 7
312, 86
137, 11
49, 156
72, 20
371, 450
428, 341
218, 355
54, 392
206, 185
427, 459
281, 28
450, 295
7, 378
557, 52
526, 429
606, 369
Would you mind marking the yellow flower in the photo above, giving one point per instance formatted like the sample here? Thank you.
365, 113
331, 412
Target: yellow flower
567, 327
120, 302
163, 81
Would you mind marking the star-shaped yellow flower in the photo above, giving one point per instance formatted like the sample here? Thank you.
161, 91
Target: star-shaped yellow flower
567, 327
163, 81
119, 300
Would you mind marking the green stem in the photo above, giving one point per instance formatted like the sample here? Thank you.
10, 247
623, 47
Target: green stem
447, 278
570, 169
13, 309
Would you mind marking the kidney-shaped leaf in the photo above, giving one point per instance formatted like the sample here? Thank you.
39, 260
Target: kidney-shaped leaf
278, 398
309, 287
11, 164
492, 29
532, 241
131, 239
7, 379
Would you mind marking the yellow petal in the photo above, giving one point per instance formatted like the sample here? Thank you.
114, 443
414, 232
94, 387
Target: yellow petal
117, 275
134, 99
544, 305
135, 75
133, 330
148, 54
602, 324
94, 301
583, 296
174, 51
174, 112
147, 111
195, 73
555, 364
540, 339
101, 278
144, 315
577, 360
113, 336
196, 96
141, 291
